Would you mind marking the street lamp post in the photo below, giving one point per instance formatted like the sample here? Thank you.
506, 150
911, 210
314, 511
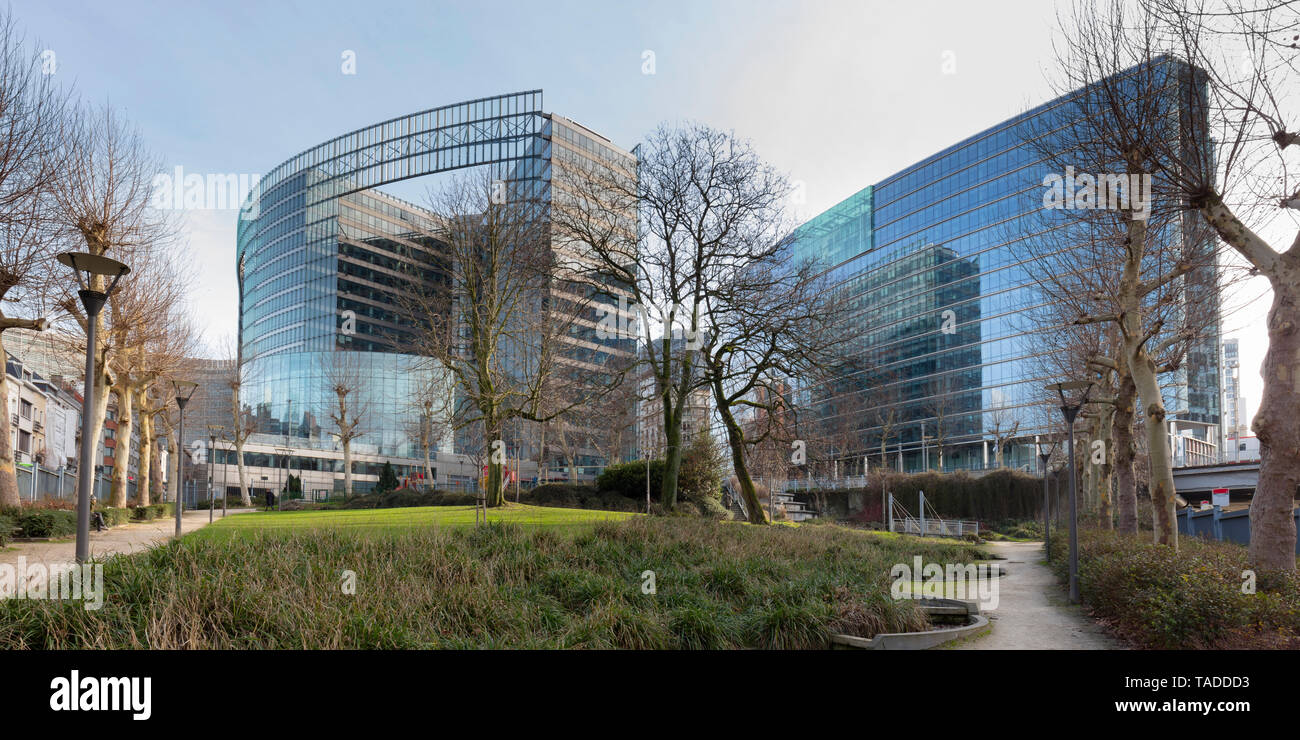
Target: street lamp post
93, 301
183, 389
1070, 410
1044, 454
212, 451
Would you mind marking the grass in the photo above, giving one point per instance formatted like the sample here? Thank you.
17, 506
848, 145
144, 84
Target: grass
406, 518
507, 585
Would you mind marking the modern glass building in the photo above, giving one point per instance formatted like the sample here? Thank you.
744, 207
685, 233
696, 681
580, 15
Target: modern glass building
946, 331
323, 255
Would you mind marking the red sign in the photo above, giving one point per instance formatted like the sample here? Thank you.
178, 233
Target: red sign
1219, 490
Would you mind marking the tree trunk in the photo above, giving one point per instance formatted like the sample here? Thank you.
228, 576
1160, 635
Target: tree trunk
496, 494
9, 496
1105, 515
428, 468
347, 468
672, 466
122, 450
1162, 474
736, 441
240, 434
144, 479
1272, 525
1124, 455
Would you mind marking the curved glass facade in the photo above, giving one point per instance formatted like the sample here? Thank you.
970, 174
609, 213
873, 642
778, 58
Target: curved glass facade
321, 255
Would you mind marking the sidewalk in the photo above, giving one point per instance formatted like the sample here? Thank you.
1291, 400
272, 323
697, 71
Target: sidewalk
124, 538
1033, 611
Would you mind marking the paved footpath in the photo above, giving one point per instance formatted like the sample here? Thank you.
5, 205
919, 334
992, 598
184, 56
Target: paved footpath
124, 538
1033, 612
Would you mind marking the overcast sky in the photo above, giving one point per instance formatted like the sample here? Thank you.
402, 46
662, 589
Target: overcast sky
837, 94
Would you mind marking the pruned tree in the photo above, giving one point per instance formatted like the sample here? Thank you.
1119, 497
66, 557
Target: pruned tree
1145, 266
103, 196
1003, 426
242, 424
1234, 164
345, 382
433, 405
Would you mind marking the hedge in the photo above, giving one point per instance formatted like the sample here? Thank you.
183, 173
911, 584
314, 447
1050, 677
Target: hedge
995, 496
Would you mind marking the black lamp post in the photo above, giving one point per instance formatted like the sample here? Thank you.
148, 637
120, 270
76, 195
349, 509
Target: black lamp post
183, 389
1045, 453
215, 431
1070, 409
93, 301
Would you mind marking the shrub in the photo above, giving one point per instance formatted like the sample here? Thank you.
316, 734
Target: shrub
700, 479
47, 523
153, 511
580, 496
1189, 598
999, 495
7, 526
387, 479
405, 497
115, 516
628, 479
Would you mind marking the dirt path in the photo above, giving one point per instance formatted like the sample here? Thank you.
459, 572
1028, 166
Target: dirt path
1033, 612
124, 538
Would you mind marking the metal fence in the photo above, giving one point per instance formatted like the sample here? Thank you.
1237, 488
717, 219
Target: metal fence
38, 483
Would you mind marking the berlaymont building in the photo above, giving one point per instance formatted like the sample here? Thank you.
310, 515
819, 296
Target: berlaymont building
945, 329
322, 255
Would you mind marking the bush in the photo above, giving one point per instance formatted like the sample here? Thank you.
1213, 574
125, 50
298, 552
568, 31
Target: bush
628, 479
153, 511
699, 481
115, 516
47, 523
405, 497
999, 495
7, 526
1189, 598
580, 496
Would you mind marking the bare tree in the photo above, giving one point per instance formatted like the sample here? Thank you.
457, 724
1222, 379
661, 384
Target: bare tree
1003, 426
242, 425
1233, 164
771, 319
706, 205
103, 196
31, 110
345, 381
502, 325
1144, 264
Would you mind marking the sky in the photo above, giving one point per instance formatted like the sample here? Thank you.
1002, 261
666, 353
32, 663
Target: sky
838, 95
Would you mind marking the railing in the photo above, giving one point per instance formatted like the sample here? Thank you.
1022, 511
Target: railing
936, 527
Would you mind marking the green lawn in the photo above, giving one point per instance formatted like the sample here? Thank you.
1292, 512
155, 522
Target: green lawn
409, 517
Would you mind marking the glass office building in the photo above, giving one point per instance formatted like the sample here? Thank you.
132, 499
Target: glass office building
323, 255
946, 337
